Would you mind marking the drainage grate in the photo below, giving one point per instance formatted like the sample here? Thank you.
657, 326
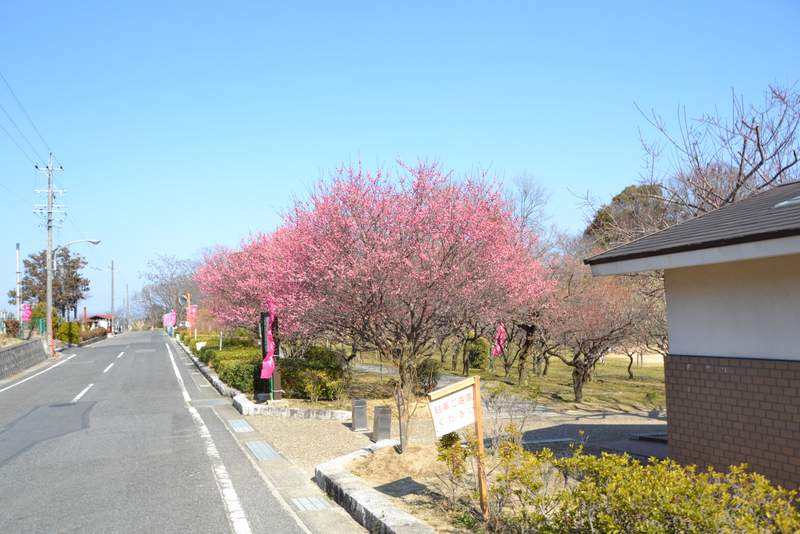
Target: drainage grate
262, 451
240, 425
308, 504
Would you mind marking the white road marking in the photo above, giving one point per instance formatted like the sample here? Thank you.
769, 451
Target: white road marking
81, 394
120, 354
230, 499
110, 365
37, 374
205, 385
270, 485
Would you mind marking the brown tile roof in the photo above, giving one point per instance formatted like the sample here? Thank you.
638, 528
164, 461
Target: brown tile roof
768, 215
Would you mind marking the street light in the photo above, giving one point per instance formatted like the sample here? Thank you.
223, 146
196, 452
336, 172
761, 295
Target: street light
49, 309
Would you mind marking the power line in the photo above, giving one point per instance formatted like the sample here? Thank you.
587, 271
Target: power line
27, 115
10, 118
18, 145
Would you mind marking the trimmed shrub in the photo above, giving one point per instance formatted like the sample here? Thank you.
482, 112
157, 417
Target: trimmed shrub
206, 354
315, 375
478, 352
237, 353
239, 373
69, 332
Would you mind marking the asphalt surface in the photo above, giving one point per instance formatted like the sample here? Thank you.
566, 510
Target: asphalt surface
132, 453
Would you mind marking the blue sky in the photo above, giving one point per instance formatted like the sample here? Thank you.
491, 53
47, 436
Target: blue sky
187, 124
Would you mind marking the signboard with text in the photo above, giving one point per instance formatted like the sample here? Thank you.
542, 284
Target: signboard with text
26, 311
458, 405
453, 407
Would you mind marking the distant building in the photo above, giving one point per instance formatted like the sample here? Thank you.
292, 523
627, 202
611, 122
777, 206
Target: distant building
100, 321
732, 281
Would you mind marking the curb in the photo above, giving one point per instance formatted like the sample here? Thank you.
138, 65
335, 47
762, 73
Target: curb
247, 407
367, 506
223, 388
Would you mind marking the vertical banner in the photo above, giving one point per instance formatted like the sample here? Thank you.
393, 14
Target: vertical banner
268, 364
26, 312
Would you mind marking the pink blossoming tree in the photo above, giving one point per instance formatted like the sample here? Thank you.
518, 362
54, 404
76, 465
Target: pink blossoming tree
385, 261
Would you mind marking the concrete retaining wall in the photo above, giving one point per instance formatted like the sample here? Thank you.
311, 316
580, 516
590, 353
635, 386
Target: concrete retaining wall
20, 357
371, 509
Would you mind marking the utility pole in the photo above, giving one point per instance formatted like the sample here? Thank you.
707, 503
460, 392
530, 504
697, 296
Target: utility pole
50, 208
113, 319
19, 300
127, 309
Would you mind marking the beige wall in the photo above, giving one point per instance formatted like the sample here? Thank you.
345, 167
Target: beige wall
740, 309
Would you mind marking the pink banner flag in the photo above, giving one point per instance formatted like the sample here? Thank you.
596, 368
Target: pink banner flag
499, 340
268, 364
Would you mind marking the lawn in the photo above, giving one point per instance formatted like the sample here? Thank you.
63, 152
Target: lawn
610, 389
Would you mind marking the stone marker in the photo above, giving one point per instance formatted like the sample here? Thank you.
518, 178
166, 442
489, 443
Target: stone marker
382, 423
359, 419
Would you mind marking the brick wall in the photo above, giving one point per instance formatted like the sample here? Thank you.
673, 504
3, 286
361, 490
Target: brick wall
725, 411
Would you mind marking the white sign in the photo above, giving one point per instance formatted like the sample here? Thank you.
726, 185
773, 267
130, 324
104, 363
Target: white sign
453, 411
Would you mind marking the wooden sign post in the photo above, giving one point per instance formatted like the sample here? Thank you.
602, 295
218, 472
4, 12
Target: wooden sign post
454, 407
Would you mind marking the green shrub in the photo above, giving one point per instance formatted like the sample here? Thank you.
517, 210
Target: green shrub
239, 373
206, 354
324, 362
428, 374
318, 385
313, 383
539, 492
319, 357
478, 352
69, 332
39, 311
235, 353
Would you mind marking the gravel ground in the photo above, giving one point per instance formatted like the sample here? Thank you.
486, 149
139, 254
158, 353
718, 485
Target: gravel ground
308, 442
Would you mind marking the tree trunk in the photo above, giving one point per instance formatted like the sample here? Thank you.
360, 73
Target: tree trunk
454, 359
465, 360
507, 367
630, 364
402, 416
538, 364
579, 378
546, 365
524, 351
400, 391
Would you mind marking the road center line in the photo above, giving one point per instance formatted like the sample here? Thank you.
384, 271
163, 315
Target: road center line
120, 354
236, 515
110, 365
81, 394
15, 384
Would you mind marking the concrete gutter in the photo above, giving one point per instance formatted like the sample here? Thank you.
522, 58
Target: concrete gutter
367, 506
223, 388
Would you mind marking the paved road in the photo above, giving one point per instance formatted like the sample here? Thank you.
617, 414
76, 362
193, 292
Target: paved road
109, 439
